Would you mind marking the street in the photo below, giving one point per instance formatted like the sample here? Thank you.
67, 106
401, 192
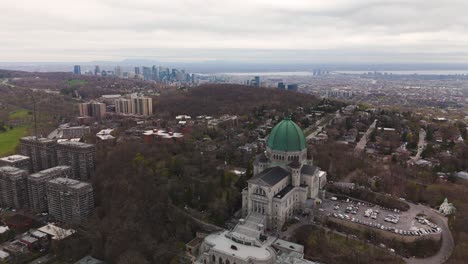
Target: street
363, 142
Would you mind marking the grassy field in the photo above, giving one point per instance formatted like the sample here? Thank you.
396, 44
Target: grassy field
18, 114
76, 82
9, 140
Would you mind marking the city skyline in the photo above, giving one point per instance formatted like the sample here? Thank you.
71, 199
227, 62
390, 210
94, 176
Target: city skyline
245, 31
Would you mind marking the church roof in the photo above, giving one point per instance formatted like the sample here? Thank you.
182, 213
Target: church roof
309, 169
286, 136
270, 176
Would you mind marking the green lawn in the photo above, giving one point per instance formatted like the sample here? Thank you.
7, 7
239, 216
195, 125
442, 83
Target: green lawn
10, 139
18, 114
76, 82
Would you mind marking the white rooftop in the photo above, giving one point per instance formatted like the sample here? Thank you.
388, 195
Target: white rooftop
3, 229
223, 244
14, 158
56, 232
3, 254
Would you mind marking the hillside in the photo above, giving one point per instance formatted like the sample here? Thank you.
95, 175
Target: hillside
213, 99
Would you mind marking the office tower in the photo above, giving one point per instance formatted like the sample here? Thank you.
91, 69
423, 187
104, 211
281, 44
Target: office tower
69, 200
104, 73
77, 69
41, 151
155, 73
147, 73
81, 157
37, 189
118, 72
173, 74
292, 87
17, 161
193, 78
93, 109
97, 70
13, 187
137, 71
123, 106
141, 105
257, 81
281, 86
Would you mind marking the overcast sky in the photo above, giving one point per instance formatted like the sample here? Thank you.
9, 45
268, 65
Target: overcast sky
236, 30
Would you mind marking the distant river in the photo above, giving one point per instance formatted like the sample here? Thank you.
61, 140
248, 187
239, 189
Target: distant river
306, 73
411, 72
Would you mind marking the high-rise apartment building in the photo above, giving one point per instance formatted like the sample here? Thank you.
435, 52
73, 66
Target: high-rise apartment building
17, 161
41, 151
93, 109
123, 106
77, 69
141, 105
13, 187
81, 157
37, 189
69, 200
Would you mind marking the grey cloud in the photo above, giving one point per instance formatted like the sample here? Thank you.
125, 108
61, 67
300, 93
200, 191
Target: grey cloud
360, 29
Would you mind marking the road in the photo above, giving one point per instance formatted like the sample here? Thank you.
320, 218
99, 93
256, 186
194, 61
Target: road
363, 142
434, 216
5, 82
448, 244
321, 124
421, 145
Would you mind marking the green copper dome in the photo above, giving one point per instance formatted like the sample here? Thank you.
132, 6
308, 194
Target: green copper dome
286, 136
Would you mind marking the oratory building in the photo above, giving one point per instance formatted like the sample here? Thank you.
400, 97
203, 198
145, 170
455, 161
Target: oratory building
284, 177
284, 181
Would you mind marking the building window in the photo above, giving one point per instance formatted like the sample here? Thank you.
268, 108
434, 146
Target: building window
220, 260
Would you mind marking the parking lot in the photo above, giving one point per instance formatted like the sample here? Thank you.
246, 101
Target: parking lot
374, 216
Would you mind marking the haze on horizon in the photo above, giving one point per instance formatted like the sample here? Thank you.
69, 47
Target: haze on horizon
296, 31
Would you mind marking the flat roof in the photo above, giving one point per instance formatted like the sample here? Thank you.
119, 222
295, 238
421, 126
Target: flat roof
28, 239
46, 172
71, 183
38, 234
75, 144
14, 158
221, 243
33, 138
56, 232
289, 245
11, 170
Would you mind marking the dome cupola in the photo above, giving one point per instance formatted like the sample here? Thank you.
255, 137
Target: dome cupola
286, 136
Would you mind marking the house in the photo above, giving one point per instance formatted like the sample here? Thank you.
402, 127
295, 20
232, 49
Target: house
447, 208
